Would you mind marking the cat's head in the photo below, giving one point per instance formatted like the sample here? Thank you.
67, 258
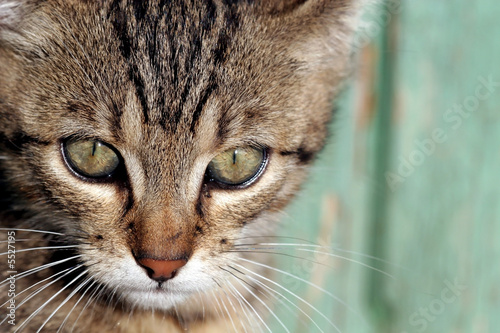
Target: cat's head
156, 135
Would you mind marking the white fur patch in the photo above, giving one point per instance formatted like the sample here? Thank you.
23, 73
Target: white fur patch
133, 284
10, 12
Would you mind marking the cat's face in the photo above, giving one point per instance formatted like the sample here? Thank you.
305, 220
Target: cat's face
151, 132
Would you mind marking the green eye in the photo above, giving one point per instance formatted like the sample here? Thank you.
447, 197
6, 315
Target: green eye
91, 158
237, 166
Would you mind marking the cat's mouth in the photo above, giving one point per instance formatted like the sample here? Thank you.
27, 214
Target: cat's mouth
160, 288
164, 288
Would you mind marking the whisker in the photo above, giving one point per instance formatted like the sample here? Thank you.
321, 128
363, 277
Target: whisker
40, 308
243, 308
75, 305
38, 269
294, 295
242, 280
91, 297
250, 306
202, 305
252, 286
350, 260
221, 313
44, 248
200, 302
271, 236
75, 290
283, 297
19, 240
37, 283
227, 311
306, 282
263, 303
372, 258
176, 313
39, 290
282, 254
33, 230
329, 248
110, 298
263, 250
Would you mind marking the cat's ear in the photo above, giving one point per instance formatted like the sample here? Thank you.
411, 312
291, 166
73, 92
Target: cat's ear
319, 32
306, 7
322, 17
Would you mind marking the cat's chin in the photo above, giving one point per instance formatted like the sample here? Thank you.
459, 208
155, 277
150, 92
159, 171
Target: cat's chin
159, 299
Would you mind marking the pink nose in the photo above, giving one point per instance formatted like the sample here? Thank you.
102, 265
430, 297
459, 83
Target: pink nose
161, 270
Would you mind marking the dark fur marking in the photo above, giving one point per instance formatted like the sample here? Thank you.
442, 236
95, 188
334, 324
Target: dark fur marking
303, 156
223, 41
74, 107
119, 21
130, 202
206, 191
175, 237
199, 208
225, 119
232, 19
235, 2
199, 230
201, 104
117, 112
120, 24
140, 9
176, 116
152, 47
220, 52
82, 109
210, 17
21, 139
222, 130
162, 4
136, 78
160, 103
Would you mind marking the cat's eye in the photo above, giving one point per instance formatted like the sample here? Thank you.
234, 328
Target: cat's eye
237, 166
91, 158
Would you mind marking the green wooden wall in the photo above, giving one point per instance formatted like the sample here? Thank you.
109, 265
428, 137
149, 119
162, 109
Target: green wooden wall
412, 177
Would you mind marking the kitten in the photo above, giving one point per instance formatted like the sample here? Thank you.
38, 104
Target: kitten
146, 148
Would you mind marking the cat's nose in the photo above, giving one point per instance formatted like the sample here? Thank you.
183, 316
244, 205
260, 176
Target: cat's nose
161, 270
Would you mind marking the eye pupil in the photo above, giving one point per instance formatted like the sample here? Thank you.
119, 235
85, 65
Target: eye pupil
237, 166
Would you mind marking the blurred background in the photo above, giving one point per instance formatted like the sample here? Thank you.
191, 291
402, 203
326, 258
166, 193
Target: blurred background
407, 193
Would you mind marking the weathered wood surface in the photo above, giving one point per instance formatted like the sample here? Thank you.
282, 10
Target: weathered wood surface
413, 177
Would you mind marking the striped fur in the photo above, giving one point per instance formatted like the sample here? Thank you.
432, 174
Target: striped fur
169, 84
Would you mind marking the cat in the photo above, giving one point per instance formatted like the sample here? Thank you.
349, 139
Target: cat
148, 149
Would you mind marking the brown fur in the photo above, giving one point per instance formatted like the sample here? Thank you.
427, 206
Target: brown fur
169, 84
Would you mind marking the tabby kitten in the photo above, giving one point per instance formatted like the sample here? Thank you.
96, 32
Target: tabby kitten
147, 146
